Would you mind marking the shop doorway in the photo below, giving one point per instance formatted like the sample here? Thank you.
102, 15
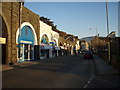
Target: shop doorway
25, 52
3, 54
26, 39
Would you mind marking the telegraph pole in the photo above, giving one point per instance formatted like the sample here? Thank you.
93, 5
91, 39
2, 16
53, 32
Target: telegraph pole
109, 59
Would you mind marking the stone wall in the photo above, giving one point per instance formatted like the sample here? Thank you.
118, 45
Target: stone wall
11, 17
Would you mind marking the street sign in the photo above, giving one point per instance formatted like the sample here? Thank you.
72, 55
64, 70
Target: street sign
2, 40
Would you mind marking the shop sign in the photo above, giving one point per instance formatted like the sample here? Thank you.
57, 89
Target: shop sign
27, 42
48, 47
57, 48
2, 40
61, 47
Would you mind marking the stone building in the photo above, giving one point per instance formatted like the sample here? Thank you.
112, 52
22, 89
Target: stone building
99, 43
21, 30
20, 43
84, 45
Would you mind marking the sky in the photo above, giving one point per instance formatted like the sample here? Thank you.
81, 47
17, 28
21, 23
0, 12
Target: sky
78, 17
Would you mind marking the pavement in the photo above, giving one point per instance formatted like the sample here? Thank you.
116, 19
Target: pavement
5, 67
16, 64
22, 64
103, 68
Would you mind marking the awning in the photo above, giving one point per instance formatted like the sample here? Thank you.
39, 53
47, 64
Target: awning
63, 47
46, 47
25, 42
57, 48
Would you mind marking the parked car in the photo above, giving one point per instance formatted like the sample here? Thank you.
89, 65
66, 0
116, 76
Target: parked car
88, 55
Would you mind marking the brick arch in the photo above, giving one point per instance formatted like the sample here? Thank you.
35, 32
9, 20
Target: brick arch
7, 25
6, 34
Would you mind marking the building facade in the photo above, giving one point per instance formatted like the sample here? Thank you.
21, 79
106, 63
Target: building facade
48, 41
25, 37
84, 45
21, 32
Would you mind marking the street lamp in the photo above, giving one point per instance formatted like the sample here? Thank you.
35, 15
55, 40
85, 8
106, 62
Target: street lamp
20, 17
109, 59
95, 29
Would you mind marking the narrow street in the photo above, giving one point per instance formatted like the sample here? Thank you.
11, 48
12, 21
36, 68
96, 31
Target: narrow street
61, 72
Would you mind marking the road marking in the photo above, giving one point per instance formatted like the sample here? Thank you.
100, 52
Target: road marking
85, 86
90, 78
89, 81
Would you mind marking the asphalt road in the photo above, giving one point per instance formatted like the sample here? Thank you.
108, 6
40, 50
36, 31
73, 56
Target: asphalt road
62, 72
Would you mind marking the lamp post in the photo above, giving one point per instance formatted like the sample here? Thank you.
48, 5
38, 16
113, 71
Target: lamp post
20, 17
109, 59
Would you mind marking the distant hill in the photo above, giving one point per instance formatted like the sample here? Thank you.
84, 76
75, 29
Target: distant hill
88, 39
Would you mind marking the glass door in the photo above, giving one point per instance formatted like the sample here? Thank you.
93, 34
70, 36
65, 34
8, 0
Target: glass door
20, 52
26, 52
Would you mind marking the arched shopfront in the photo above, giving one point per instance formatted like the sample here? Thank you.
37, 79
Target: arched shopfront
45, 47
26, 39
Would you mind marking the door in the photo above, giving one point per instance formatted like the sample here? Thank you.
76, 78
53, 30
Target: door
26, 52
20, 52
47, 52
3, 53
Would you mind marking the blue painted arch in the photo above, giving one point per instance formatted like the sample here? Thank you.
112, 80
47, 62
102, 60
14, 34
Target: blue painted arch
26, 35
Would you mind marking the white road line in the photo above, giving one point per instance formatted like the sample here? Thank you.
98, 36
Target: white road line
92, 72
90, 78
89, 82
85, 86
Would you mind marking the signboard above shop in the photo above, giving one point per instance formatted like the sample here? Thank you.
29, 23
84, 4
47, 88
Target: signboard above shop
26, 42
2, 40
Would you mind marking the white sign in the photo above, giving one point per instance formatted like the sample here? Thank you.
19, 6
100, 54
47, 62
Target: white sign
26, 42
2, 40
